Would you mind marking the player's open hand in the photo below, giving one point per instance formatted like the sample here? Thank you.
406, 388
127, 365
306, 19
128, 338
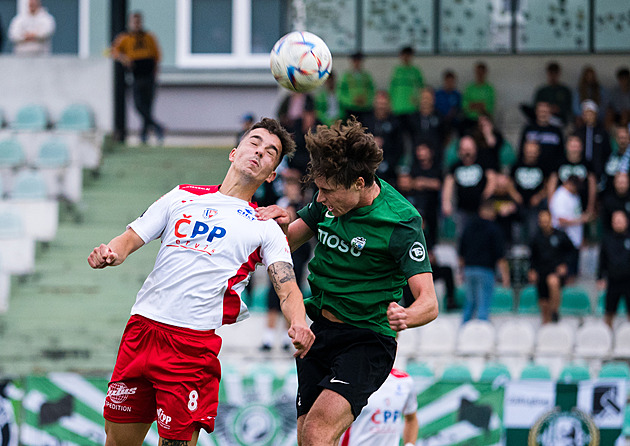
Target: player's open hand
397, 317
102, 256
275, 212
303, 339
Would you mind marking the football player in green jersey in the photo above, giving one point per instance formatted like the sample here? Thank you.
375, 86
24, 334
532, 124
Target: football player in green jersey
369, 245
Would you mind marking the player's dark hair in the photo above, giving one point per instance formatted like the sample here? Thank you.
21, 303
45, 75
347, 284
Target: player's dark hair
274, 127
342, 153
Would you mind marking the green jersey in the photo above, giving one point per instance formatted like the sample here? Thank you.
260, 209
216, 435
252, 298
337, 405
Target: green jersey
363, 259
404, 89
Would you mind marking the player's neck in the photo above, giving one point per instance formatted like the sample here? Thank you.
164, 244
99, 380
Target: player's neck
369, 195
237, 189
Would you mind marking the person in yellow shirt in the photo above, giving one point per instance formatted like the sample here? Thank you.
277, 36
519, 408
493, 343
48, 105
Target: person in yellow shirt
139, 51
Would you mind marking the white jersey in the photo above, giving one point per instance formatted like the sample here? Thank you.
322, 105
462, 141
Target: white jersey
211, 244
564, 204
381, 422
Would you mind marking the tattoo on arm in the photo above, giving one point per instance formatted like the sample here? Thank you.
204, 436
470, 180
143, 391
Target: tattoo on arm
280, 273
167, 442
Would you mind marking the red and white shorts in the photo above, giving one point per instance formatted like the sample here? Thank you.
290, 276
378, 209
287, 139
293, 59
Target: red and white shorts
165, 373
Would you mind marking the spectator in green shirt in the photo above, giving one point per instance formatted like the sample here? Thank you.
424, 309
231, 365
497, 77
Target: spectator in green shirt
356, 89
478, 97
327, 107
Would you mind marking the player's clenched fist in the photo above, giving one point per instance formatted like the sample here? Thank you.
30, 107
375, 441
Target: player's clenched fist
102, 256
302, 338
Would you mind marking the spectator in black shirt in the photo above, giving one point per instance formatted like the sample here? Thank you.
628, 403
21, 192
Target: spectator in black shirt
594, 137
481, 249
429, 126
550, 251
574, 164
615, 161
469, 182
548, 136
507, 202
529, 176
614, 266
489, 142
386, 130
617, 199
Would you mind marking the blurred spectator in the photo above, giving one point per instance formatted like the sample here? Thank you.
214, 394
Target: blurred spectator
327, 108
293, 199
138, 50
356, 90
594, 137
617, 199
481, 249
292, 107
384, 126
619, 159
549, 137
469, 182
489, 142
246, 122
618, 111
448, 102
422, 188
478, 97
574, 165
589, 89
551, 251
530, 176
389, 417
554, 93
31, 31
566, 215
404, 92
614, 266
299, 128
507, 202
429, 126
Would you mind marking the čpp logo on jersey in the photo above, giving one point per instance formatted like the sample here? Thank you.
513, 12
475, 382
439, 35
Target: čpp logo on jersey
186, 228
385, 416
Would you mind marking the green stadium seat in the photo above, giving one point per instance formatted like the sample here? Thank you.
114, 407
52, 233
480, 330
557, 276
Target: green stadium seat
448, 229
53, 153
419, 369
29, 185
32, 117
450, 153
460, 296
615, 369
456, 373
507, 155
575, 302
502, 300
76, 117
528, 300
492, 371
536, 371
11, 153
571, 373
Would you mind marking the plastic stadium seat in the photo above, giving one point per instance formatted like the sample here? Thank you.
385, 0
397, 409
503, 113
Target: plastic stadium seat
536, 371
494, 370
15, 245
11, 224
515, 337
456, 373
571, 373
419, 369
528, 300
29, 185
11, 153
5, 289
615, 369
40, 217
53, 153
507, 155
502, 300
622, 341
476, 338
575, 302
594, 339
554, 340
76, 117
32, 117
437, 338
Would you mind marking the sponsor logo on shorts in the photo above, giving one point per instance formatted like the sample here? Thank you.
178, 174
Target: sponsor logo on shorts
163, 419
119, 392
417, 252
118, 407
335, 380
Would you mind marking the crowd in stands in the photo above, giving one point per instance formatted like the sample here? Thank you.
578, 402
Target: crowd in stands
561, 186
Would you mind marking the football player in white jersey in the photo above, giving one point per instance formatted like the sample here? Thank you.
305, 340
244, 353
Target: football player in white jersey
390, 413
167, 367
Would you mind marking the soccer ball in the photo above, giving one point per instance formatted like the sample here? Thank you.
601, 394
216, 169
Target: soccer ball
300, 61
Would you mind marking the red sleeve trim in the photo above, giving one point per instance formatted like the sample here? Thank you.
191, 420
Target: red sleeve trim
399, 373
199, 190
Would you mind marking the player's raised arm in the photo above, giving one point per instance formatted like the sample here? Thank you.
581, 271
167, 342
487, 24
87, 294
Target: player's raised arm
423, 310
116, 251
292, 306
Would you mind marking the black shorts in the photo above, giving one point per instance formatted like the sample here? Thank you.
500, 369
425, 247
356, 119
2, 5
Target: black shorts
543, 289
353, 362
617, 288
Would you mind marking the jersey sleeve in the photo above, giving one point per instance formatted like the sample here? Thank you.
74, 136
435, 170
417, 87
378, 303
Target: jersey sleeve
150, 225
411, 405
275, 247
312, 213
409, 248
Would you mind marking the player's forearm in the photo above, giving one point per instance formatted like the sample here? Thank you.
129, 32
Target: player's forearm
424, 309
410, 431
292, 304
125, 244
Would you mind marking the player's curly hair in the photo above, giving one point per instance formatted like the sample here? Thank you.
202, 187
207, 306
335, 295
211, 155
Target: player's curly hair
275, 128
342, 153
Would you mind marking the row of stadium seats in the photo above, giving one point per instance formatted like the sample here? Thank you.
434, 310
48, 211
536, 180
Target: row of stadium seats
35, 117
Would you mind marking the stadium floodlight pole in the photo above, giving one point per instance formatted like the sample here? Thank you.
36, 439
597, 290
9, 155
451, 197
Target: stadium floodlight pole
118, 23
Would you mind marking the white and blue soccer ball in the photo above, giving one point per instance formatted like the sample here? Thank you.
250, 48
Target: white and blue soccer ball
300, 61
